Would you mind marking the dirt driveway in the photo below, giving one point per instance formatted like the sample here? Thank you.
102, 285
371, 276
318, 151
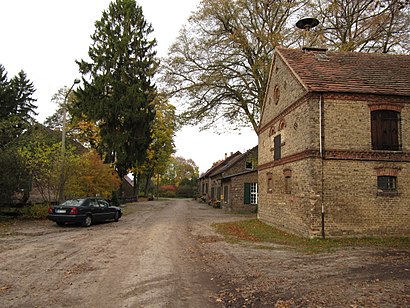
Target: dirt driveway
166, 254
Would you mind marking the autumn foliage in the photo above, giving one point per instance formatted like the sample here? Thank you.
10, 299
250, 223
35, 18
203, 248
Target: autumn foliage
91, 177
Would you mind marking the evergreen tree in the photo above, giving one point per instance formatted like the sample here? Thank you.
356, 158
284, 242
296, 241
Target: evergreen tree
17, 106
117, 82
23, 91
6, 101
16, 110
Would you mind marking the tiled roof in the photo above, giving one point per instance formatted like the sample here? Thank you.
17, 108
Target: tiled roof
349, 72
227, 164
220, 165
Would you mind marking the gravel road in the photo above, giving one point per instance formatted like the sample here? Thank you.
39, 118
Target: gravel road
166, 254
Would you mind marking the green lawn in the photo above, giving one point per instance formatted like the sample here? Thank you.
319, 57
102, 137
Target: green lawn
256, 231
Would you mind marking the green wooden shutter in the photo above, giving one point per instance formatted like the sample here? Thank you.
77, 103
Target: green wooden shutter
247, 193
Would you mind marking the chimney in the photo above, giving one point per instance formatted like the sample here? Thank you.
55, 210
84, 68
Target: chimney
226, 155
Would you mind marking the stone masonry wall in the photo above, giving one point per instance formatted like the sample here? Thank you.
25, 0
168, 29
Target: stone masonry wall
352, 203
295, 118
289, 89
298, 209
237, 192
347, 125
236, 176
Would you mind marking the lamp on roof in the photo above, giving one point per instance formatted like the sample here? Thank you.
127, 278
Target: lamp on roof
307, 24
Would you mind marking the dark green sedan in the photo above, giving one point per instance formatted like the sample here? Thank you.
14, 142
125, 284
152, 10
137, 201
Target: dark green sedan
84, 211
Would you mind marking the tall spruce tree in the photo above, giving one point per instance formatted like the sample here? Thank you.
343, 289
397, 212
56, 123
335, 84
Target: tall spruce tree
17, 106
117, 84
16, 110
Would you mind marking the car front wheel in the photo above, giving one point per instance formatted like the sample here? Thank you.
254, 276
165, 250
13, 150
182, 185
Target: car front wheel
87, 221
116, 216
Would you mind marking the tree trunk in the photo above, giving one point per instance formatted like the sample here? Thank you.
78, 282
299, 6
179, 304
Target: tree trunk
135, 190
137, 178
148, 183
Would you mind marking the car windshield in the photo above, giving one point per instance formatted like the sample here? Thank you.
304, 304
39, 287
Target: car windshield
73, 202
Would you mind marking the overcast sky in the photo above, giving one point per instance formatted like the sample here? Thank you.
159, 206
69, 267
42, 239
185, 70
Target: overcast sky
45, 37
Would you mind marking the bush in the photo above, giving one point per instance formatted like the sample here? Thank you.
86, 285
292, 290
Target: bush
186, 191
36, 211
168, 194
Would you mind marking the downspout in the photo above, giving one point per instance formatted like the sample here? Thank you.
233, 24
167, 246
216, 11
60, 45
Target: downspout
321, 165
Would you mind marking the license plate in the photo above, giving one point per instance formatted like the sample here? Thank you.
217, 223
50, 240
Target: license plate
60, 211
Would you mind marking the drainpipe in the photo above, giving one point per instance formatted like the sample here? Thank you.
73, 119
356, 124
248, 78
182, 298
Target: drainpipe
321, 164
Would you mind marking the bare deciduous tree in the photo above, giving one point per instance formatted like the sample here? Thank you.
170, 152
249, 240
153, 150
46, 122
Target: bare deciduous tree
220, 62
363, 25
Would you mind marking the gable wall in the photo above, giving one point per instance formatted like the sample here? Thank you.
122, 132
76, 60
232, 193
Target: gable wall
289, 87
296, 119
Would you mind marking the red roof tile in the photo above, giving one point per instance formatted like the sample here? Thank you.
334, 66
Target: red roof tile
350, 72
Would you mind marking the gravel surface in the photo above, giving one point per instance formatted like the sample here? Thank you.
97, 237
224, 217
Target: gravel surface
167, 254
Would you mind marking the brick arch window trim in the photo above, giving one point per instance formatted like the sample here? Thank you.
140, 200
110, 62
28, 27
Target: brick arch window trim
282, 124
386, 106
387, 171
287, 173
272, 131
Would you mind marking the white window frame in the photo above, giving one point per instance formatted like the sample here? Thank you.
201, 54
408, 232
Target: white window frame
254, 193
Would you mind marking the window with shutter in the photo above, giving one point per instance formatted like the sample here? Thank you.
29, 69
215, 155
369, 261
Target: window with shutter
247, 193
250, 193
277, 147
385, 130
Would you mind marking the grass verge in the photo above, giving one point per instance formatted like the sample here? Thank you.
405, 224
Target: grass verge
256, 231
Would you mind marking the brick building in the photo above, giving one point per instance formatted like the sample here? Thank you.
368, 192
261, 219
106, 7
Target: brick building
233, 182
334, 144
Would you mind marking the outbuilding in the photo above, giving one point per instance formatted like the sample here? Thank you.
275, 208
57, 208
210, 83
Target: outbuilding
334, 144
